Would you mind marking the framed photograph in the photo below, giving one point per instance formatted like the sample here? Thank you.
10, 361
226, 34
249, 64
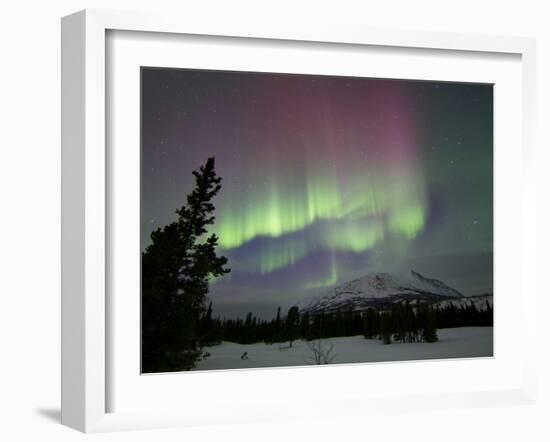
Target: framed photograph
298, 222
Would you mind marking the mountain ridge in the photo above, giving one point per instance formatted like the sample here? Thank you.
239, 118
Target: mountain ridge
379, 289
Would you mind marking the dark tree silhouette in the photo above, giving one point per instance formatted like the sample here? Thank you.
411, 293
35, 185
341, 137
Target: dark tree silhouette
428, 321
401, 323
386, 328
278, 326
291, 325
176, 268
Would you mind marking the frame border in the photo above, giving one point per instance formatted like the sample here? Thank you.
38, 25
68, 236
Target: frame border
84, 199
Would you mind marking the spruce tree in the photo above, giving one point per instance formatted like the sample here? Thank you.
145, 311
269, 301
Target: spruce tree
386, 328
176, 268
291, 324
277, 332
429, 330
305, 326
208, 327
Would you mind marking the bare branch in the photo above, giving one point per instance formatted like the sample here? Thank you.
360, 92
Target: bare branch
321, 352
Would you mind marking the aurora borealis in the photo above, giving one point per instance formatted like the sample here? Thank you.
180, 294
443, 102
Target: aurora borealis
324, 178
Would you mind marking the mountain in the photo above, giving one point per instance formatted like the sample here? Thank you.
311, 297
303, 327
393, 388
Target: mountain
378, 290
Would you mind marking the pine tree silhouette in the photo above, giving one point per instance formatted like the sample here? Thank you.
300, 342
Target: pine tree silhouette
176, 268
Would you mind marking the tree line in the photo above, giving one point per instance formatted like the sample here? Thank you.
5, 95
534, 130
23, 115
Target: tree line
400, 322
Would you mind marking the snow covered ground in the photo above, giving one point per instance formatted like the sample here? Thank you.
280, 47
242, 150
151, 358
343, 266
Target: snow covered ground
453, 343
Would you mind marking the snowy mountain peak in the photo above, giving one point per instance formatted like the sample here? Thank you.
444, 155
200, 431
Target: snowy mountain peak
432, 285
377, 289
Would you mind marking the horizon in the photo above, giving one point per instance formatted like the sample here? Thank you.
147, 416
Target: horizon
268, 310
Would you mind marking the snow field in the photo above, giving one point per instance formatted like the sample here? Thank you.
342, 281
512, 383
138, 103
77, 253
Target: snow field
453, 343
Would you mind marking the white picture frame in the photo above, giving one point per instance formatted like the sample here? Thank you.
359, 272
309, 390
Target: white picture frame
86, 315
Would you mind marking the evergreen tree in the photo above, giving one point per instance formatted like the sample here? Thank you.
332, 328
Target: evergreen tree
291, 325
429, 330
176, 268
371, 324
386, 328
305, 326
277, 334
208, 327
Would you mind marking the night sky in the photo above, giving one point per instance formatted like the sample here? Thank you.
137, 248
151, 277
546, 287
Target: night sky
324, 178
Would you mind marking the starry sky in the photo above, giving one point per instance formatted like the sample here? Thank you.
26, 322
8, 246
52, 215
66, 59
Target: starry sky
324, 178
